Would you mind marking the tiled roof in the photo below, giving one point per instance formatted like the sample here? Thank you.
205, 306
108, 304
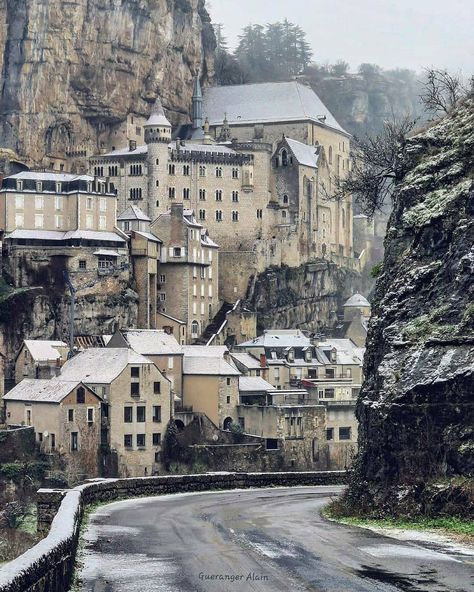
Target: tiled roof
42, 391
266, 102
43, 350
152, 342
304, 154
254, 384
207, 366
100, 365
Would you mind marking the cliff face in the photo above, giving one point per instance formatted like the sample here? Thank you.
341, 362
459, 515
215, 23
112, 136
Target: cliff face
72, 70
416, 405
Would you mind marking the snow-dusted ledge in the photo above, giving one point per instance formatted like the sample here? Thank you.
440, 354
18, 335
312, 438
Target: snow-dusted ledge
48, 566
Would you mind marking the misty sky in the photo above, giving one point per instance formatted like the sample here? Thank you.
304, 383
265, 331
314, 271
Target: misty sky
392, 33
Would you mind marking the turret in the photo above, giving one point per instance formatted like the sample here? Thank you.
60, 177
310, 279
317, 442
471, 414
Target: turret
157, 128
157, 138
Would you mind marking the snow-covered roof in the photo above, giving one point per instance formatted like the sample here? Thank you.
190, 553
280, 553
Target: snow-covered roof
50, 176
206, 365
207, 241
107, 252
20, 233
44, 350
133, 213
279, 338
357, 300
254, 384
158, 116
346, 350
152, 342
205, 351
57, 235
207, 148
304, 154
95, 235
100, 365
148, 236
143, 149
167, 316
266, 102
246, 360
53, 390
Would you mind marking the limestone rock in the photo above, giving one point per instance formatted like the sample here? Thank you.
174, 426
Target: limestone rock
416, 406
71, 70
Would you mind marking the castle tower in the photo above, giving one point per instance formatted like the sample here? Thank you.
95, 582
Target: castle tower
197, 105
157, 139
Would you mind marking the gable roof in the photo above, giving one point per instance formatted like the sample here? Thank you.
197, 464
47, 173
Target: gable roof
133, 213
152, 342
247, 360
100, 365
304, 154
43, 391
207, 366
205, 351
252, 384
266, 102
279, 338
44, 350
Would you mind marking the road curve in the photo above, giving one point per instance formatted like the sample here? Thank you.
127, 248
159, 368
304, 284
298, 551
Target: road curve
254, 540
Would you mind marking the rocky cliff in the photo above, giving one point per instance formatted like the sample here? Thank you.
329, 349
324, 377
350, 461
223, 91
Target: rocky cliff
74, 69
416, 406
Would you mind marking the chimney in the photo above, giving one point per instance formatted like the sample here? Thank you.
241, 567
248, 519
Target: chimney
132, 145
263, 361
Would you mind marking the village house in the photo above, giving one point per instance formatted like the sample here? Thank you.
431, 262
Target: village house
172, 326
66, 416
138, 404
189, 272
159, 347
40, 359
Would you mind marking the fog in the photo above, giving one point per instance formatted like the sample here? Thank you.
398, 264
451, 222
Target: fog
392, 33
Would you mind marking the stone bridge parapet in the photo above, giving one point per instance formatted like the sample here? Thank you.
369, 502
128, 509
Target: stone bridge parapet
49, 565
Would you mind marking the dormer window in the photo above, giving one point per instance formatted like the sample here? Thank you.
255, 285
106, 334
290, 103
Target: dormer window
333, 355
58, 187
307, 355
39, 186
291, 355
19, 185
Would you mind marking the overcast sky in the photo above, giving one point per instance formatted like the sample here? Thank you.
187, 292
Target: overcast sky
392, 33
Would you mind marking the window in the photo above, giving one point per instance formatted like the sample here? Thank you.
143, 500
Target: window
271, 444
194, 329
106, 261
202, 194
177, 252
141, 414
39, 221
128, 414
19, 202
162, 279
259, 214
89, 221
228, 400
344, 433
171, 192
219, 172
58, 221
157, 388
53, 441
102, 222
284, 158
58, 202
39, 203
157, 413
218, 195
135, 372
218, 215
39, 186
330, 155
242, 422
285, 199
19, 220
228, 381
70, 415
235, 196
186, 170
135, 389
235, 173
186, 193
156, 439
330, 372
162, 297
127, 440
170, 363
235, 216
74, 441
202, 214
283, 214
202, 171
90, 415
329, 393
80, 396
89, 203
171, 169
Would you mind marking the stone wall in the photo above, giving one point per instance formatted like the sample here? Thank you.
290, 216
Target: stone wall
17, 444
48, 566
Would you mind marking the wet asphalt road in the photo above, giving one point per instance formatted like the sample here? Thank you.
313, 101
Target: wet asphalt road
266, 540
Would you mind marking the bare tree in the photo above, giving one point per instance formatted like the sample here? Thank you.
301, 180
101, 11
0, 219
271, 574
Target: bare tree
377, 164
442, 90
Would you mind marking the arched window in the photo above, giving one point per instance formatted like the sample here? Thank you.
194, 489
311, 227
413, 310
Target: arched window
194, 329
285, 199
330, 155
227, 423
284, 158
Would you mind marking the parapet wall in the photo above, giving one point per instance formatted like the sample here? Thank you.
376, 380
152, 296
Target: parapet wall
48, 566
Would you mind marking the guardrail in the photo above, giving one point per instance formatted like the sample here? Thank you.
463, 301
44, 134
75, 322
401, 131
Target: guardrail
49, 565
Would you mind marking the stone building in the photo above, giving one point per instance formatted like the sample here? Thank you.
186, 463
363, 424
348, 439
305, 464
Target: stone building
138, 404
40, 359
257, 166
189, 272
62, 221
66, 416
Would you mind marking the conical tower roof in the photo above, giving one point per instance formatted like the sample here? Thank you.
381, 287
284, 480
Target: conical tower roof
158, 116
